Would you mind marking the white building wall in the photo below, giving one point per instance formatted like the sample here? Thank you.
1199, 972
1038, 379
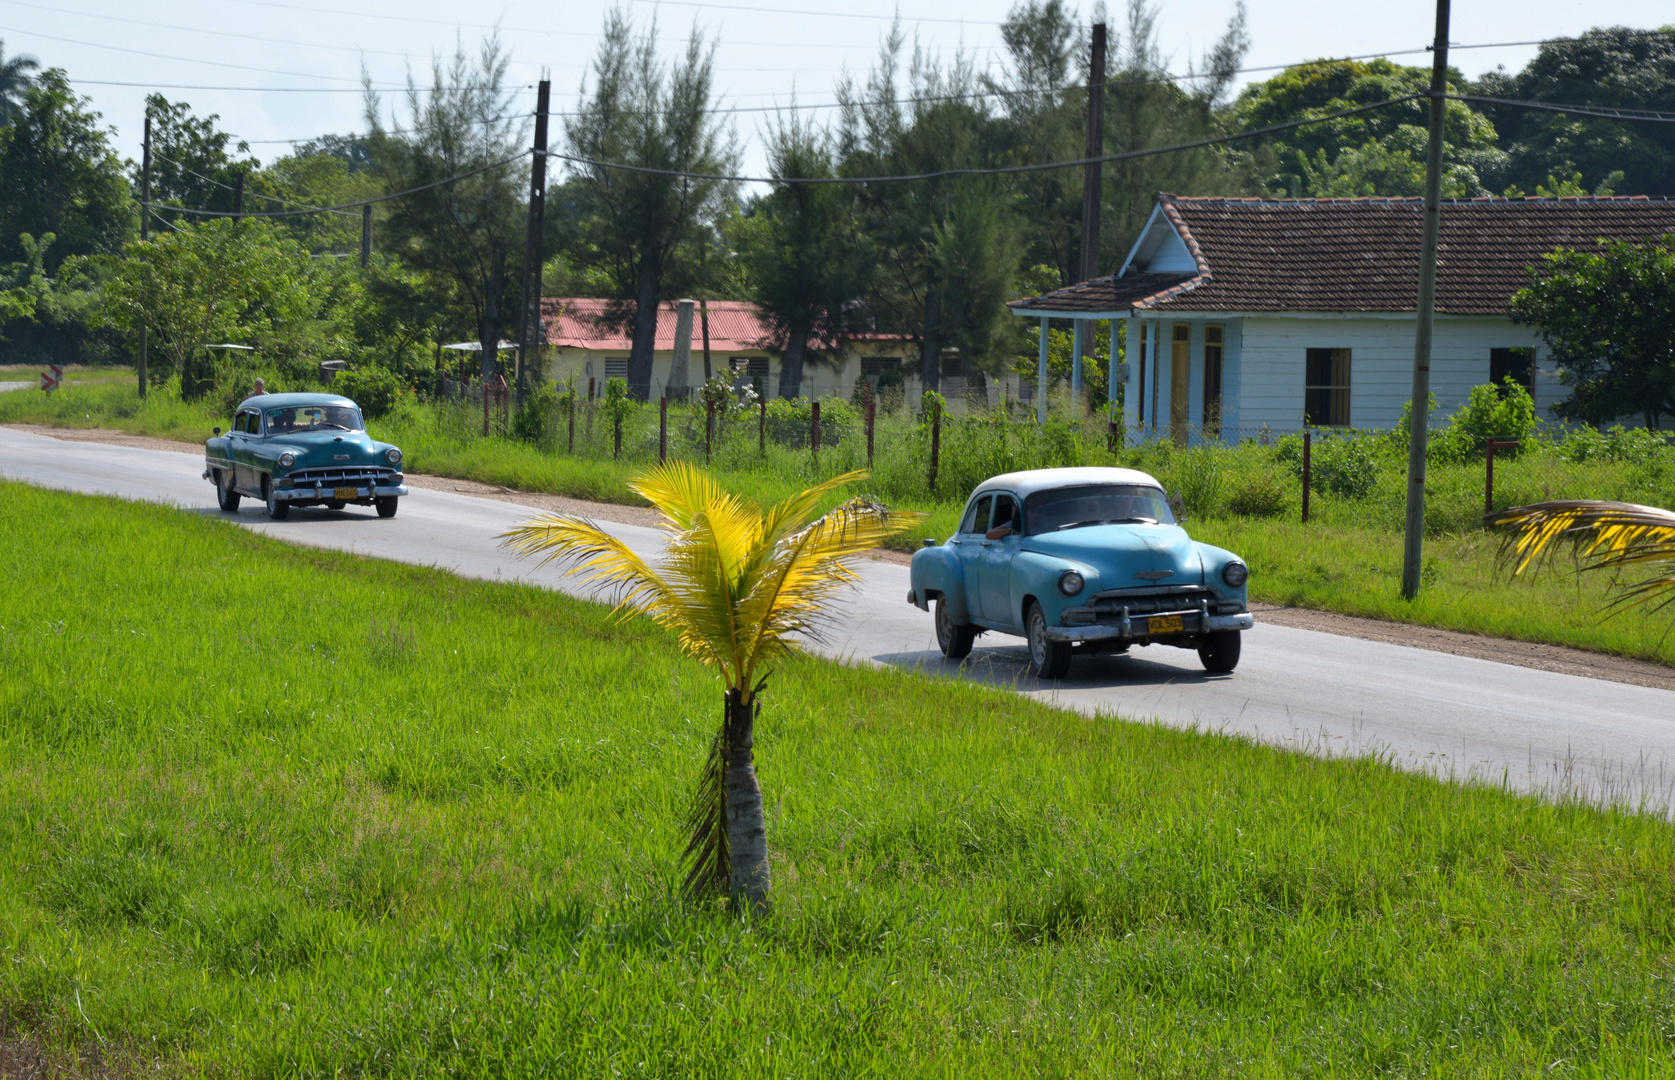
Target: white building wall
1273, 355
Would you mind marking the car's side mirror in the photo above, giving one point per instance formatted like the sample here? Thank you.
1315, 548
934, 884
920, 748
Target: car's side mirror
216, 430
999, 532
929, 541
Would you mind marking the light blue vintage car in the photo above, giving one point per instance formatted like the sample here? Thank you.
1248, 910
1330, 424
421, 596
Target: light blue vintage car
1080, 560
303, 450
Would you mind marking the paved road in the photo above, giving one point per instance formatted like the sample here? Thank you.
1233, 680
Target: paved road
1317, 692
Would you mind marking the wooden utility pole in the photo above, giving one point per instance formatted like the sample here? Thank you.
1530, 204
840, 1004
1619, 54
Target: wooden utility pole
145, 233
530, 335
1425, 315
366, 236
1092, 193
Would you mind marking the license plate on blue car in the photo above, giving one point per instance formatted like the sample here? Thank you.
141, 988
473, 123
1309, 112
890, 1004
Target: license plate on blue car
350, 493
1164, 624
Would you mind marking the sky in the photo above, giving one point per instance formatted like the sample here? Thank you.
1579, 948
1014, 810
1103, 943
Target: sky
285, 70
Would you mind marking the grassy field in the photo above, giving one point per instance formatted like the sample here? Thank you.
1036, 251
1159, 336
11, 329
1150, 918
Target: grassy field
1346, 559
279, 812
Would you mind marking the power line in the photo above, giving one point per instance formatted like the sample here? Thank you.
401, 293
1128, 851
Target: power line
255, 194
502, 163
177, 59
827, 14
1594, 111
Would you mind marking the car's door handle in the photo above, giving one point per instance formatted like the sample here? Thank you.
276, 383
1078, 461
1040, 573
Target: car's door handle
956, 543
988, 543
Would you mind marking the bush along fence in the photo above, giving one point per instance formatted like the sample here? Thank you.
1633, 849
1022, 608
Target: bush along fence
921, 452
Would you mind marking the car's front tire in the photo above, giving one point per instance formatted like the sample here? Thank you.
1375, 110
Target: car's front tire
278, 510
225, 494
953, 639
1048, 659
385, 505
1219, 651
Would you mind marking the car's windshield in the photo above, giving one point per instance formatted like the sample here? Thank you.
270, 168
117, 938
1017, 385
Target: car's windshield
1100, 504
295, 418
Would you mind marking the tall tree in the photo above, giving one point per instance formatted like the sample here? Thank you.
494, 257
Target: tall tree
1615, 67
643, 113
14, 79
59, 174
803, 255
1608, 316
466, 124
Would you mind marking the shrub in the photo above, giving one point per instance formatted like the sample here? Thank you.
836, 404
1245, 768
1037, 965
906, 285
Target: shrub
790, 420
375, 389
538, 415
1198, 477
1491, 412
1259, 495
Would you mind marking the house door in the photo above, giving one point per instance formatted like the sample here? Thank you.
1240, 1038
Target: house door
1179, 382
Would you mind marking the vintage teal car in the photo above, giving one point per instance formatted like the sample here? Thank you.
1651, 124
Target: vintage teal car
303, 450
1080, 560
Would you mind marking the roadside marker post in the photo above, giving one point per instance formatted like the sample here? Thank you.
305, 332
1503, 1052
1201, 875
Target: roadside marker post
52, 378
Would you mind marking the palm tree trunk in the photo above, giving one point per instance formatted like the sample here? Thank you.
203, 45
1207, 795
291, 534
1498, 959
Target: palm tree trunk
747, 836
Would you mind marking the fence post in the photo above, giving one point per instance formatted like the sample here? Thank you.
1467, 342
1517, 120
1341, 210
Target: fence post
662, 429
590, 387
571, 446
709, 427
486, 392
871, 413
936, 444
762, 427
814, 430
1489, 448
1308, 445
616, 434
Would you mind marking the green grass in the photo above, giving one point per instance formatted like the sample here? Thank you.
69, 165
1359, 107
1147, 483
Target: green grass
272, 811
1346, 559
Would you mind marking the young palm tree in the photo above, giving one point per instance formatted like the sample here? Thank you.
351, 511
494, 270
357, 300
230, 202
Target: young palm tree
14, 79
1604, 536
738, 585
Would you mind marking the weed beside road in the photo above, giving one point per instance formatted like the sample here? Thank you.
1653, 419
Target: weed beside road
277, 811
1346, 558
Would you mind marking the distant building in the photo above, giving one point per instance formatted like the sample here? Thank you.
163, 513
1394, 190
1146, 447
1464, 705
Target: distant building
1276, 313
581, 342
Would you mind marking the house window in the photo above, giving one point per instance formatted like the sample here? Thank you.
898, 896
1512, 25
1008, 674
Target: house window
1212, 380
1326, 388
616, 367
1515, 364
953, 365
750, 371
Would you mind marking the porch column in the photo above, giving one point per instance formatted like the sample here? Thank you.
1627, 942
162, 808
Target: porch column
1076, 361
1041, 377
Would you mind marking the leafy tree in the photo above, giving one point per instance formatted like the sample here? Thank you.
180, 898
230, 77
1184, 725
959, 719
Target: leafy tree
191, 165
460, 235
803, 254
738, 586
329, 171
218, 281
1614, 67
637, 224
14, 79
1608, 316
58, 174
1381, 152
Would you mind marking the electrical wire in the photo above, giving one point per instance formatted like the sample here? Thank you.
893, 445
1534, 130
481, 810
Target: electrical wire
177, 59
502, 163
540, 30
1594, 111
253, 194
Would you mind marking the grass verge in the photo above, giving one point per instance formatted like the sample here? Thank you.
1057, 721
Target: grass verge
273, 811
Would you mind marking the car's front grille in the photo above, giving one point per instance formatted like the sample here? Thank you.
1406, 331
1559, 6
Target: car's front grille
1151, 601
342, 476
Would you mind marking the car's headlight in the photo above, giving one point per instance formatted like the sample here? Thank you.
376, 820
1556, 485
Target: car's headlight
287, 459
1235, 573
393, 456
1070, 583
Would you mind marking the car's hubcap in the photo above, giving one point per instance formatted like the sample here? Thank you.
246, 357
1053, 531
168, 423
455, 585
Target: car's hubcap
1038, 639
942, 625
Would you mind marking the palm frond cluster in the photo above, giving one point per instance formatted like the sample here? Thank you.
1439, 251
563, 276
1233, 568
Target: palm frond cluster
1602, 536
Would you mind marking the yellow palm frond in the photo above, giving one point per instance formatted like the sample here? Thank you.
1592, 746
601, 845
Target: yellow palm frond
680, 491
1603, 536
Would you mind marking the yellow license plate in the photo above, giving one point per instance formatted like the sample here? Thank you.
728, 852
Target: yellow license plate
1164, 624
350, 493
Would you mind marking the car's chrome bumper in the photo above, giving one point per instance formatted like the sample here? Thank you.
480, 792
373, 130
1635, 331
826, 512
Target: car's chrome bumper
1192, 622
324, 494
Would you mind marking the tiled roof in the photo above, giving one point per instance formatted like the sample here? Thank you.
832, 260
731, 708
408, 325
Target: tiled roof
1346, 255
1104, 294
735, 326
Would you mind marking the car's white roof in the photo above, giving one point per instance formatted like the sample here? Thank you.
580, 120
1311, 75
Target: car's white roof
1030, 481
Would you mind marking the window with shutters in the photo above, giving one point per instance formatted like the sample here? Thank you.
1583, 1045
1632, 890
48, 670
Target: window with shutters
616, 367
1212, 380
1326, 388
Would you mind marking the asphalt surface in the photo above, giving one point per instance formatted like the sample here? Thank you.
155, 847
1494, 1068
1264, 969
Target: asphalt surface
1319, 693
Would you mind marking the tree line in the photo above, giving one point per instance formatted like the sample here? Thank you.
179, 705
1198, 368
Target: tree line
929, 261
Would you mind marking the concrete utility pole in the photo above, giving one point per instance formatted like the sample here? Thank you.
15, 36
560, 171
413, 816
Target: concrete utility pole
1425, 316
145, 232
529, 337
366, 236
1092, 195
680, 368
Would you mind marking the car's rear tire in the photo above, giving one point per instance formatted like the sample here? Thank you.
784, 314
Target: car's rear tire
225, 493
278, 509
1048, 659
385, 505
953, 639
1219, 651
